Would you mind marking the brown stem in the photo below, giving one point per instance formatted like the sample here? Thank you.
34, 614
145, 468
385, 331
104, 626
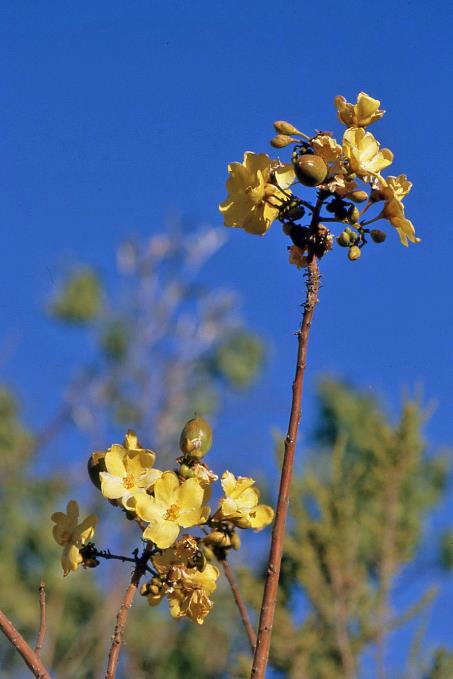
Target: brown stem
32, 660
121, 618
278, 533
240, 604
42, 623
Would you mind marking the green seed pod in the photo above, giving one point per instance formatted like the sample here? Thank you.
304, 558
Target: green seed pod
96, 464
353, 214
235, 541
282, 140
196, 438
354, 253
282, 127
378, 236
310, 170
344, 239
358, 196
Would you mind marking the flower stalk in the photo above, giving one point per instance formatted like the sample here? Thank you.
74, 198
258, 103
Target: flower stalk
275, 556
123, 613
251, 635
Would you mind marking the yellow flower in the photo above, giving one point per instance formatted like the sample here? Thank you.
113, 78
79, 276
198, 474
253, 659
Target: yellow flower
72, 535
393, 190
129, 471
240, 504
362, 150
190, 596
361, 114
254, 195
173, 505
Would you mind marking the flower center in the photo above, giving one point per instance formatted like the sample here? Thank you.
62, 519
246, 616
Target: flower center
172, 513
129, 480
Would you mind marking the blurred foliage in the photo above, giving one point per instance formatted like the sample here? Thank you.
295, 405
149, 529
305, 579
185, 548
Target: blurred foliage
162, 346
238, 359
446, 550
357, 515
78, 301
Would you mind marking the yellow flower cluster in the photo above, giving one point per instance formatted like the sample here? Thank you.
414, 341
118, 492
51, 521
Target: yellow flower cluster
186, 585
163, 502
259, 194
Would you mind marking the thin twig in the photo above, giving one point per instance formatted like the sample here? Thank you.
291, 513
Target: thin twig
278, 533
42, 622
251, 635
31, 659
121, 618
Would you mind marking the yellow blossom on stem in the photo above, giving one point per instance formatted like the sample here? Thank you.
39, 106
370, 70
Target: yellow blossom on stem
361, 114
393, 190
240, 504
173, 505
254, 192
129, 471
71, 535
363, 152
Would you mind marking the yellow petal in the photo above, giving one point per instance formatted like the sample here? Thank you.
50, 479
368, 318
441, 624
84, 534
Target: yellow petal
366, 105
138, 461
190, 517
257, 162
85, 531
285, 176
112, 487
190, 494
114, 460
163, 533
148, 508
165, 488
228, 482
261, 516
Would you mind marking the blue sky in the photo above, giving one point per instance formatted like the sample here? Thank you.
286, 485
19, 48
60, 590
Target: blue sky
114, 113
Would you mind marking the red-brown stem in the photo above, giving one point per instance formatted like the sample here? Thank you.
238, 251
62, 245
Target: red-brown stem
32, 660
42, 622
121, 618
278, 533
251, 635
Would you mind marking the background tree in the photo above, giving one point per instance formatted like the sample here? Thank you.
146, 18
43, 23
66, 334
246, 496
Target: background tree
357, 516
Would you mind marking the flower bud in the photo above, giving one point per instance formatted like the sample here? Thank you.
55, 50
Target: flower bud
282, 127
196, 438
96, 464
353, 214
343, 239
358, 196
235, 541
310, 170
207, 551
378, 236
354, 253
185, 471
217, 538
282, 140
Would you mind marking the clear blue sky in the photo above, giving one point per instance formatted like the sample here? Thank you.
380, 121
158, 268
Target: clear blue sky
113, 113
